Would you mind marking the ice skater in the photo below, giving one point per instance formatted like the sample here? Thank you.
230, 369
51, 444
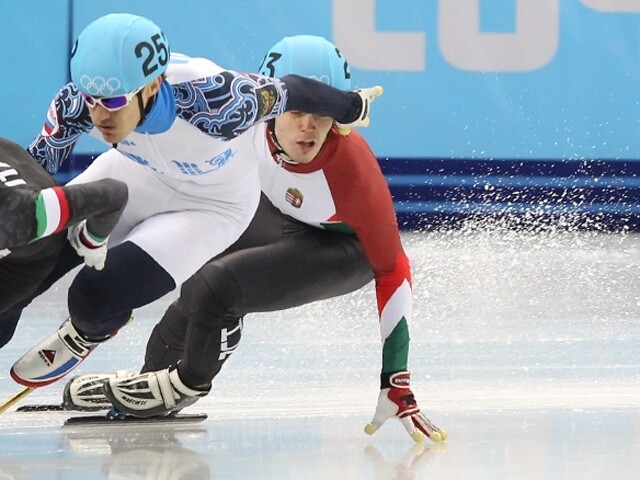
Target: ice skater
181, 137
325, 227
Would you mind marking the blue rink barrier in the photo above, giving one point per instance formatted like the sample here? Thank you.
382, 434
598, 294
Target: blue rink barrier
433, 193
584, 194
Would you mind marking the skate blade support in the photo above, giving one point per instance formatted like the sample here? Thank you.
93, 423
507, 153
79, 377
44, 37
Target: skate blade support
99, 420
16, 398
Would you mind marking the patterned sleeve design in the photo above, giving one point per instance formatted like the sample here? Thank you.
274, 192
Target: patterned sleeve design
67, 118
227, 104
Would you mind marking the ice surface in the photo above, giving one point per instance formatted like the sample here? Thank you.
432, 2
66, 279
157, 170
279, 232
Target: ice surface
525, 348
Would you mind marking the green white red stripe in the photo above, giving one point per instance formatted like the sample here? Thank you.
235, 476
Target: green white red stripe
52, 211
90, 240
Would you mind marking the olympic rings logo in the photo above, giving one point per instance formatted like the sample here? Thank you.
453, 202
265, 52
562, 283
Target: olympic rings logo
99, 86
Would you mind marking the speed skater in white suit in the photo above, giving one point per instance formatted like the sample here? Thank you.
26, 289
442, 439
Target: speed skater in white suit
182, 140
313, 237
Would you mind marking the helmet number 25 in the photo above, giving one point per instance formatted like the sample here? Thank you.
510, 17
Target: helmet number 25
155, 54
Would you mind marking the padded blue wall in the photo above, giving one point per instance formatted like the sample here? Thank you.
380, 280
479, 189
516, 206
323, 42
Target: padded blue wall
490, 106
520, 79
34, 44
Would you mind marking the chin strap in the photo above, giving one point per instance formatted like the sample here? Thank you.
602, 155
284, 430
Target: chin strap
274, 147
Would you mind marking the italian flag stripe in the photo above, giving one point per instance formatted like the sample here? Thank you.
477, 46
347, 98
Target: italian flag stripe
52, 211
90, 240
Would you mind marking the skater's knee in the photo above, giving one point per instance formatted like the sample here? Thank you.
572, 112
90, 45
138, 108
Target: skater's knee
213, 292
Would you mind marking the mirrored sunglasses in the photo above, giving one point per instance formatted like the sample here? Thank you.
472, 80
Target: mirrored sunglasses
110, 103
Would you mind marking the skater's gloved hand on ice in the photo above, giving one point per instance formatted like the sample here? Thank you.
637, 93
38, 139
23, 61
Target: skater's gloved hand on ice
88, 246
397, 400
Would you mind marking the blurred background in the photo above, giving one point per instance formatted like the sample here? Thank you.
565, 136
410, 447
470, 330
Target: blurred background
528, 109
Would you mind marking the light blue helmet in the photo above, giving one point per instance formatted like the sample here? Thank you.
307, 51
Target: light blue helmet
308, 56
117, 54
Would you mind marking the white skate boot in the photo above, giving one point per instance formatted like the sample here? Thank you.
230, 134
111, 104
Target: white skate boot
84, 392
151, 394
52, 358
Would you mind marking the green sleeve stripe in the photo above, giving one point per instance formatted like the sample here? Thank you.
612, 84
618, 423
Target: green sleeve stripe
395, 351
41, 216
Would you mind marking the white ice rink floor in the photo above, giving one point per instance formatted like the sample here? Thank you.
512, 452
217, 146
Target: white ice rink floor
525, 348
